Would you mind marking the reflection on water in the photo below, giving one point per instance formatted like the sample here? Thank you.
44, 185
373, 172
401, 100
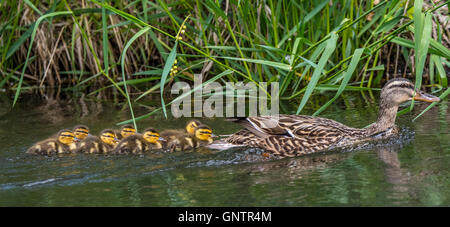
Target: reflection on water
412, 169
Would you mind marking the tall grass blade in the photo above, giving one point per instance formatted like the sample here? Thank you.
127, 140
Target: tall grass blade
329, 49
347, 75
166, 70
33, 34
442, 96
122, 60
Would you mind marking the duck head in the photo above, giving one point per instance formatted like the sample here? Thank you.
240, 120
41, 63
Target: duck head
151, 135
203, 132
81, 131
400, 90
127, 130
108, 136
191, 126
66, 136
395, 92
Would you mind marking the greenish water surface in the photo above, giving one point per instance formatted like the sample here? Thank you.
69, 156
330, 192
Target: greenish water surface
413, 170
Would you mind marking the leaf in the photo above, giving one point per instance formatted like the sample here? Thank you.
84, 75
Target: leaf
166, 70
122, 63
215, 8
442, 96
39, 20
347, 75
329, 49
308, 17
263, 62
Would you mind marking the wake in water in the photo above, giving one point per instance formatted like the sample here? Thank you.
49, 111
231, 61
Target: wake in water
82, 169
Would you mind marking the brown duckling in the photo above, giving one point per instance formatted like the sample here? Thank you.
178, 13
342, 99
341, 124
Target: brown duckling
93, 144
293, 135
139, 143
125, 131
64, 142
202, 136
174, 134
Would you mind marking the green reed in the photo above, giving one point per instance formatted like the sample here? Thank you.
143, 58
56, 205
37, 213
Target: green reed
306, 46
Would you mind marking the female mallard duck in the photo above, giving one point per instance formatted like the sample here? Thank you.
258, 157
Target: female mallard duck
93, 144
293, 135
202, 136
81, 132
63, 143
140, 143
125, 131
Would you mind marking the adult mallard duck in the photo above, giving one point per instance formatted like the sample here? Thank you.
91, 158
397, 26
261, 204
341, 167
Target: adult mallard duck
293, 135
202, 136
64, 142
139, 143
125, 131
105, 143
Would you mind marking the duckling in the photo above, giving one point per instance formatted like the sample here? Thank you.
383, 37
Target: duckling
202, 136
64, 142
125, 131
174, 134
93, 144
139, 143
81, 132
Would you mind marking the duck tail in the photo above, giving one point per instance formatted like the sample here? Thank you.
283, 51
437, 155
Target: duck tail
236, 119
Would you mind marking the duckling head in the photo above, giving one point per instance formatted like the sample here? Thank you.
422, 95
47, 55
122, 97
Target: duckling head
127, 130
191, 126
108, 136
400, 90
203, 132
151, 135
81, 131
66, 136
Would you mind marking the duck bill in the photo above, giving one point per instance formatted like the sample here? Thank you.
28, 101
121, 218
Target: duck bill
424, 97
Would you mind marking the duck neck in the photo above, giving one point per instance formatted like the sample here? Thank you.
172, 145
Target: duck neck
386, 118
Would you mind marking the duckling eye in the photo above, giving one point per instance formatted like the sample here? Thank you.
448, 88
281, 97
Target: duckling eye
108, 136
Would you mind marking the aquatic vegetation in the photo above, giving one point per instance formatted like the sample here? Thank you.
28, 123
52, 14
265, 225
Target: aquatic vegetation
142, 46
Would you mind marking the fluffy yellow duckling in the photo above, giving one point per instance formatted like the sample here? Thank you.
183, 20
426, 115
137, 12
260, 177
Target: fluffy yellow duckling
175, 134
93, 144
81, 132
125, 131
139, 143
202, 136
64, 142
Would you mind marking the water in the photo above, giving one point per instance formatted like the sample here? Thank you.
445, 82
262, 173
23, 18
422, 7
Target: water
413, 170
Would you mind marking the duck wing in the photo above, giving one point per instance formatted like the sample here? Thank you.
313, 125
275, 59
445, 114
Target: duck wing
293, 126
262, 126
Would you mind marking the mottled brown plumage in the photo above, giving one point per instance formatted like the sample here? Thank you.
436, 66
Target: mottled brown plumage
61, 144
184, 141
105, 143
293, 135
149, 140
